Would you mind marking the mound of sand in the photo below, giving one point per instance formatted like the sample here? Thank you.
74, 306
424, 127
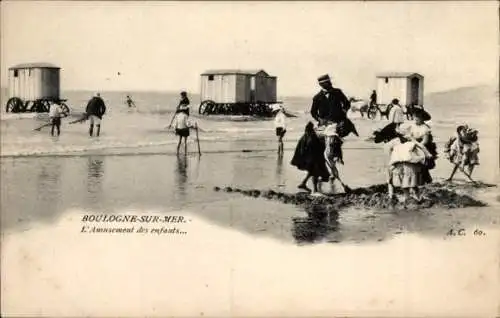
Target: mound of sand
438, 195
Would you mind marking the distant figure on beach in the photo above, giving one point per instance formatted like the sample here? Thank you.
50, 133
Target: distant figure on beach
94, 111
181, 126
373, 98
395, 113
331, 105
183, 103
130, 102
463, 151
309, 156
280, 125
55, 114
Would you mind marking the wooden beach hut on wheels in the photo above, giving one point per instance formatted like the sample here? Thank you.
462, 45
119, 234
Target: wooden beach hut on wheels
33, 87
237, 92
405, 86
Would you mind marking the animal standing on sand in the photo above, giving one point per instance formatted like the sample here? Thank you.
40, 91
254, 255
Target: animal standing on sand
359, 105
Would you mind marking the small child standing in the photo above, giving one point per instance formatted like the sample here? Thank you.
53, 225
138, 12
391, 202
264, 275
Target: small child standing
280, 125
55, 114
181, 126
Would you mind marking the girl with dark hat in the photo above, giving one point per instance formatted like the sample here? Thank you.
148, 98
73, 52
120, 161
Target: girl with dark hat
309, 156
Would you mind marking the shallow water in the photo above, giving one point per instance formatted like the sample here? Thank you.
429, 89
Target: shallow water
42, 189
132, 166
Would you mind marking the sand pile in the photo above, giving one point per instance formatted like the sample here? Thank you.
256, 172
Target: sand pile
439, 195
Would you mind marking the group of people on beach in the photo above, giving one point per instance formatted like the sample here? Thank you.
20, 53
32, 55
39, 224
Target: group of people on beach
409, 144
320, 148
95, 110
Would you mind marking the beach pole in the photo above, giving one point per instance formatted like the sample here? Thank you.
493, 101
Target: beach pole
197, 139
44, 125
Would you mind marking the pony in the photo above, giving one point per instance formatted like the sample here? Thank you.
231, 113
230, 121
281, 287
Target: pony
359, 105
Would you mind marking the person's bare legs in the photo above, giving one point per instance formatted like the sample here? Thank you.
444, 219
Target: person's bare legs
179, 144
303, 184
185, 145
452, 173
470, 168
315, 183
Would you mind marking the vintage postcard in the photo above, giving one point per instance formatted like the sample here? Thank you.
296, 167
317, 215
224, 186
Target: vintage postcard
250, 159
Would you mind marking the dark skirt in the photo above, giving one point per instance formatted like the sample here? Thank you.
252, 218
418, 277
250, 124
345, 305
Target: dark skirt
280, 131
182, 132
309, 156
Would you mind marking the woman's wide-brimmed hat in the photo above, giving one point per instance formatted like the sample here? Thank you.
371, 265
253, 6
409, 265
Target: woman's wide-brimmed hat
422, 114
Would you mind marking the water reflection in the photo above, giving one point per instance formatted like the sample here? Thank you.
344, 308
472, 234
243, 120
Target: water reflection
181, 175
49, 186
317, 225
279, 171
95, 174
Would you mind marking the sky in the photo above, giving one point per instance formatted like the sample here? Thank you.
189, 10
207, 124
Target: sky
165, 46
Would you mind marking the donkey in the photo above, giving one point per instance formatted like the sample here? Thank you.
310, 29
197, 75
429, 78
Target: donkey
359, 105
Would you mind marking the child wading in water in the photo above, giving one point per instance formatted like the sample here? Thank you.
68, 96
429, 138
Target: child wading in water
462, 150
55, 114
181, 125
280, 125
309, 156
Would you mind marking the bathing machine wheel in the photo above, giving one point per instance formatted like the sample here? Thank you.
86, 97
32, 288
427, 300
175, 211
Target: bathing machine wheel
15, 105
206, 107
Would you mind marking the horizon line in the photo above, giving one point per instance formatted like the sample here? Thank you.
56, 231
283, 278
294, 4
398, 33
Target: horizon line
282, 95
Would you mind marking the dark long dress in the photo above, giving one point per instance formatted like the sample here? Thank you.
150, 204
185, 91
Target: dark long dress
309, 156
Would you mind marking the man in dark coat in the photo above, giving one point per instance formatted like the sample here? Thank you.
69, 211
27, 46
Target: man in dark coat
373, 98
94, 111
331, 105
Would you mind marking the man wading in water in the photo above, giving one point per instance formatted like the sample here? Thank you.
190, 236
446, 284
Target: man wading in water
94, 111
